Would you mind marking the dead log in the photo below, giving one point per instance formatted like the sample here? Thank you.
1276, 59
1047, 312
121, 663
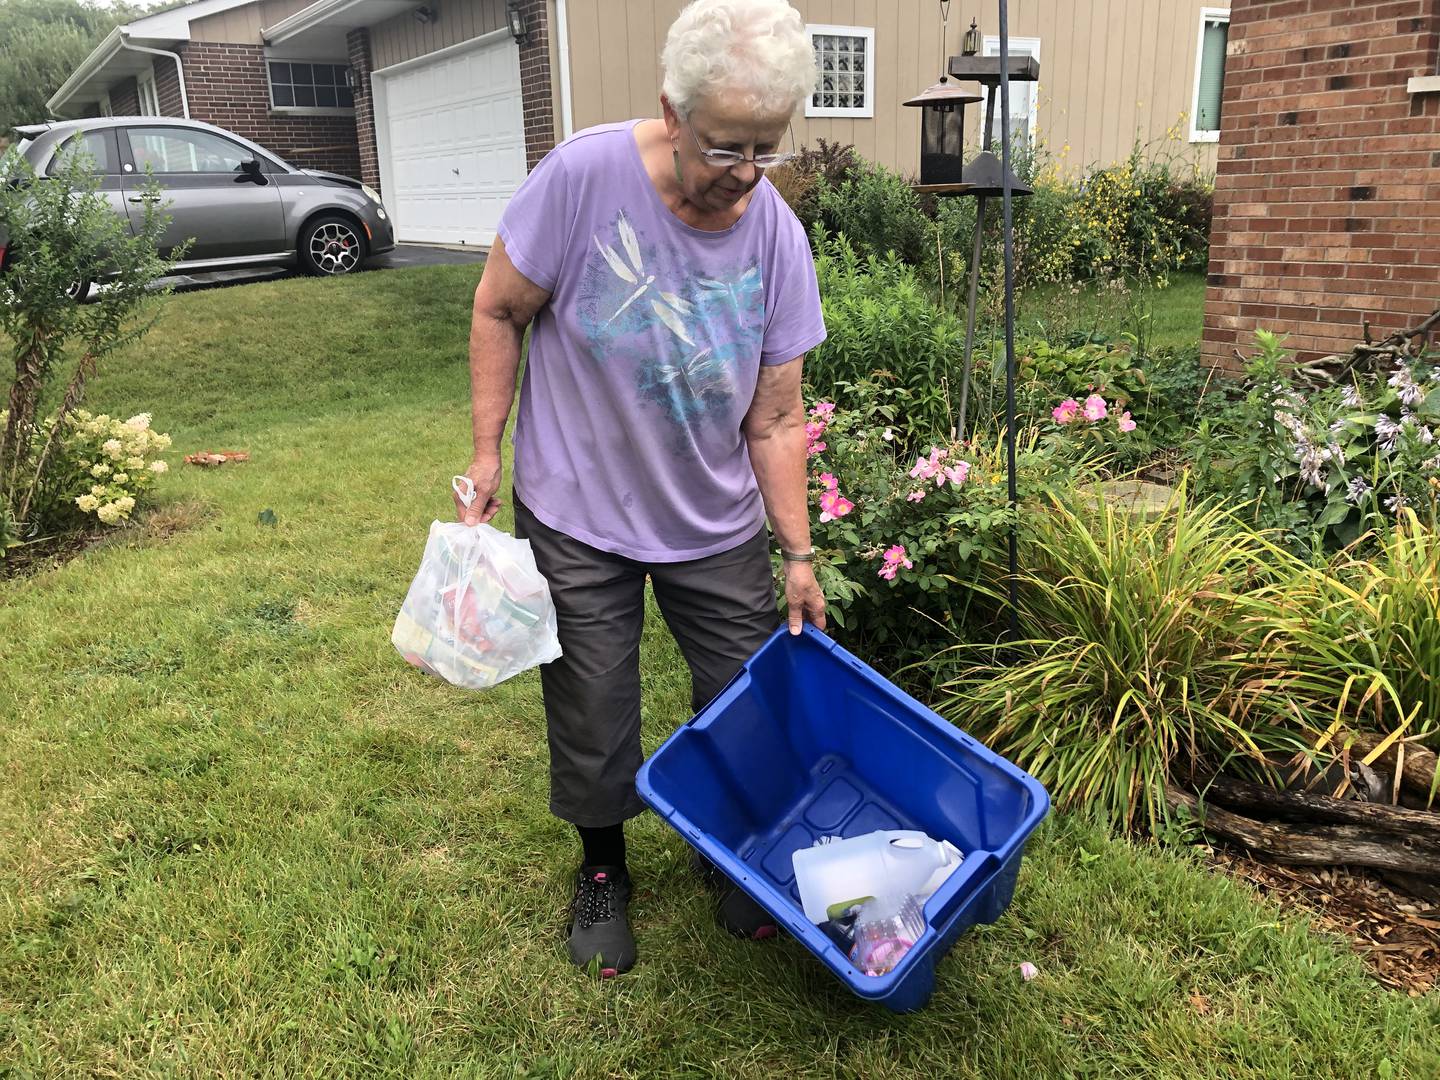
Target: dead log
1418, 766
1319, 809
1314, 845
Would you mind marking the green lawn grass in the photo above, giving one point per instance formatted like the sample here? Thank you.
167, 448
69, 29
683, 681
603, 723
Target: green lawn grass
239, 837
1172, 317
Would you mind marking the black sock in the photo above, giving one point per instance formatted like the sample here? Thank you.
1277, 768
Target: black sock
604, 846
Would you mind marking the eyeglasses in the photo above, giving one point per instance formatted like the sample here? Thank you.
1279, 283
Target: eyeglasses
728, 159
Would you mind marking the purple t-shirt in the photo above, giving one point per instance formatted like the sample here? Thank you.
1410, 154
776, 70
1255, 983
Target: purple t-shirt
644, 362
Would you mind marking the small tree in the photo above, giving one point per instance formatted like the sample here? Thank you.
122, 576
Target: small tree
62, 231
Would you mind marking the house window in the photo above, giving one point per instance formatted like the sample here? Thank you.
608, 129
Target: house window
106, 109
845, 56
310, 84
145, 89
1209, 75
1022, 94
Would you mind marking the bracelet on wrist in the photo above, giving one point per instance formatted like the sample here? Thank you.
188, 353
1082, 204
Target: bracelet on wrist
798, 556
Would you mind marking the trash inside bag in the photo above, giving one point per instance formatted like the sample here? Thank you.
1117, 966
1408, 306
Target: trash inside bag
478, 611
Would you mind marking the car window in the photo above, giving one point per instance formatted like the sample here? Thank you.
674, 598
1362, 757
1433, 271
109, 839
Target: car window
90, 146
175, 150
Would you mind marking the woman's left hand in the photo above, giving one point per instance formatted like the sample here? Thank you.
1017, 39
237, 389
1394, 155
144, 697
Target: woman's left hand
803, 599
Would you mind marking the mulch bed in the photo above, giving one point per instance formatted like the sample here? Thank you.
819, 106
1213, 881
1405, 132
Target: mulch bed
1396, 934
47, 554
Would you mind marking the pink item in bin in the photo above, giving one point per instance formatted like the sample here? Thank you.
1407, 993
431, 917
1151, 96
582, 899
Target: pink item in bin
478, 610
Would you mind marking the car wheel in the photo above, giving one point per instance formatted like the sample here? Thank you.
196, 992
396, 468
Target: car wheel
330, 246
79, 289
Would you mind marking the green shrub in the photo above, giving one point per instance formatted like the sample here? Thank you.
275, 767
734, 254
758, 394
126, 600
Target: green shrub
883, 325
61, 231
878, 212
800, 180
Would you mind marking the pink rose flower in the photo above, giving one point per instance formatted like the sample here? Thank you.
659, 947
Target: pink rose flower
1065, 411
894, 560
834, 505
915, 496
956, 474
925, 468
1094, 408
829, 481
1126, 424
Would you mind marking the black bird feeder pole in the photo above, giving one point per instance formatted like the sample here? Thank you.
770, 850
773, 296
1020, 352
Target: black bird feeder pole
1007, 182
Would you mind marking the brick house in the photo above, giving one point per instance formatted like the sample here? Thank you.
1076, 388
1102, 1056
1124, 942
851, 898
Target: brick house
444, 105
1327, 193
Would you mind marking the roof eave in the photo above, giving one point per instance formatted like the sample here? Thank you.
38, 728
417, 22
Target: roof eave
99, 56
307, 18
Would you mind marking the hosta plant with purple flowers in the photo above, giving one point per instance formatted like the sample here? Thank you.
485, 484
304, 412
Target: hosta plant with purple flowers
1325, 465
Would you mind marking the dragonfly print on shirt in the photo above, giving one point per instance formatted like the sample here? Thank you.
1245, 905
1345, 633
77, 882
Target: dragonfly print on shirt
687, 333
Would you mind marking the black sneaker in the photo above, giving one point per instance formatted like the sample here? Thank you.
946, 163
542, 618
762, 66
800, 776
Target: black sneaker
599, 934
734, 911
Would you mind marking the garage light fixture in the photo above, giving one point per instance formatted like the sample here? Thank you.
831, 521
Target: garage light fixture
426, 14
518, 30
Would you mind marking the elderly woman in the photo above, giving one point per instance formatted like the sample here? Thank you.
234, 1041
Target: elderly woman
671, 298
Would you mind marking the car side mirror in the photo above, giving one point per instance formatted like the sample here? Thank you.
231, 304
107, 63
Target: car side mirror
251, 170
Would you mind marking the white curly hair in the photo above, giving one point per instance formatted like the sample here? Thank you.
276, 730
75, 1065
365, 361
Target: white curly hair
757, 48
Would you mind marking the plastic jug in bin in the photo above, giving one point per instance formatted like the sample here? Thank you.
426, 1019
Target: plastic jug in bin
836, 876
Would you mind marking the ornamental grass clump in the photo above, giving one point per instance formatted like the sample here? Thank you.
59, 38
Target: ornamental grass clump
1354, 644
1125, 670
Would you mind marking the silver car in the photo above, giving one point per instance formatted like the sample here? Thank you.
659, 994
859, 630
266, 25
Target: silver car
237, 203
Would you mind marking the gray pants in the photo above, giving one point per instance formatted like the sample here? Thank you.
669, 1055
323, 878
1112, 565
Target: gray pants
720, 609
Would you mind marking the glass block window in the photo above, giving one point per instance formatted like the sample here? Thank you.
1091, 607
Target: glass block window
845, 56
309, 85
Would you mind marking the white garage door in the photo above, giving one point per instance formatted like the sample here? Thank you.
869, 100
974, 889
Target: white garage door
456, 144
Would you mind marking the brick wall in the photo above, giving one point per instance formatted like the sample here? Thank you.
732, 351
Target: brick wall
358, 42
536, 95
1327, 188
125, 98
227, 86
167, 88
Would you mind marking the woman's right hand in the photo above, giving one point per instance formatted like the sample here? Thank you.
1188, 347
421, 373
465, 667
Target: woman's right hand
484, 473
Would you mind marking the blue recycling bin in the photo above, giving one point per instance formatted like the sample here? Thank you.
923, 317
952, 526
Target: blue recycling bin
808, 741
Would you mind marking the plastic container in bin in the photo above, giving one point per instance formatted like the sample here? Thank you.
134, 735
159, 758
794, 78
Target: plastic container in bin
808, 741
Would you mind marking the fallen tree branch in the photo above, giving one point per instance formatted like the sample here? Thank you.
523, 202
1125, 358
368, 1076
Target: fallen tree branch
1314, 845
1320, 809
1401, 345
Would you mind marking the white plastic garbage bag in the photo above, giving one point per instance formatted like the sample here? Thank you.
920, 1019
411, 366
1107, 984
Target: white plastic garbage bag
478, 611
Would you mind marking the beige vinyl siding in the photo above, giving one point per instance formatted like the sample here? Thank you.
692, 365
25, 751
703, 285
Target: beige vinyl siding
405, 38
242, 25
1111, 71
